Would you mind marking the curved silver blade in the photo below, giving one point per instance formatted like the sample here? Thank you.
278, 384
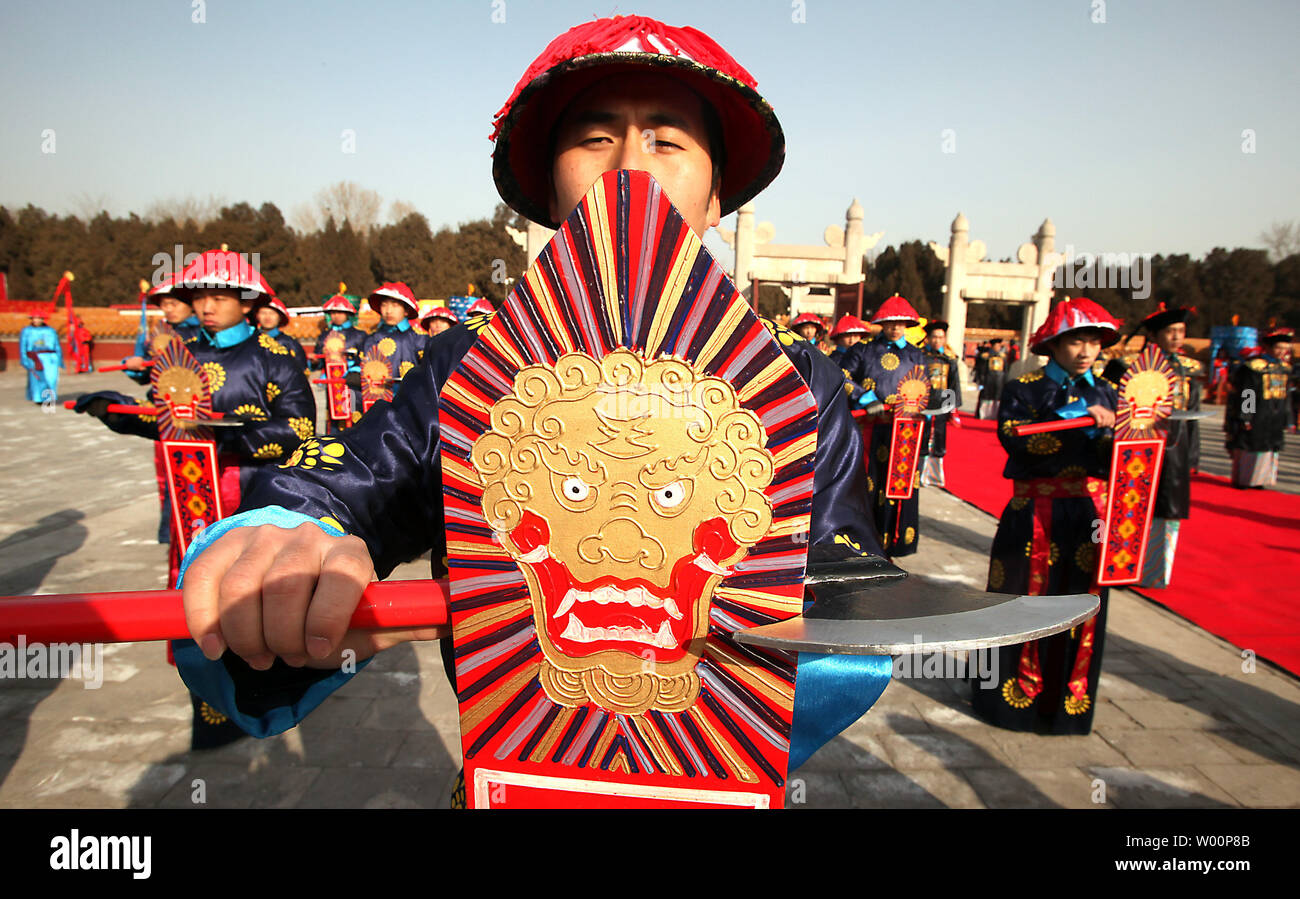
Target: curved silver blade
919, 614
1192, 414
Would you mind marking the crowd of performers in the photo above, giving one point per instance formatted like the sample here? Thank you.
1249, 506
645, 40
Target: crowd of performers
375, 474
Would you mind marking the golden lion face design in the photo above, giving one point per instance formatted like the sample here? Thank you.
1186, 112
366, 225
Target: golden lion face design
1145, 390
180, 388
625, 490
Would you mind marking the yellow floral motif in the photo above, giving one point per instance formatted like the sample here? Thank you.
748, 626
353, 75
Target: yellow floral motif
1018, 503
909, 536
406, 366
785, 336
1011, 423
303, 427
889, 362
272, 391
149, 418
1030, 376
250, 412
270, 451
1073, 471
1044, 444
997, 574
1086, 557
1014, 696
356, 416
871, 484
314, 452
1053, 553
1078, 706
1258, 365
479, 322
868, 384
387, 346
848, 387
216, 376
211, 715
267, 342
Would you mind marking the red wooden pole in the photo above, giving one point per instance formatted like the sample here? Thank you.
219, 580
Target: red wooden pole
141, 615
1065, 424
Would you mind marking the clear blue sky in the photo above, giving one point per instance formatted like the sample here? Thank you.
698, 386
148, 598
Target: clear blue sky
1128, 133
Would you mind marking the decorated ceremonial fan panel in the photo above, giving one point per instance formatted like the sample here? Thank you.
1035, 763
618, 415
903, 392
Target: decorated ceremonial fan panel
627, 460
905, 435
181, 394
1146, 397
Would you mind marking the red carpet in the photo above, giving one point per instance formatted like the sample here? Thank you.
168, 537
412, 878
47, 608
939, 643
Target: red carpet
1238, 553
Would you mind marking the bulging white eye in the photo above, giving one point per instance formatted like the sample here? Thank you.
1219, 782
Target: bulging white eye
670, 495
575, 490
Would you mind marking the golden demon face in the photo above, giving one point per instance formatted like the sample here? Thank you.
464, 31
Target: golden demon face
625, 490
334, 347
180, 388
1144, 391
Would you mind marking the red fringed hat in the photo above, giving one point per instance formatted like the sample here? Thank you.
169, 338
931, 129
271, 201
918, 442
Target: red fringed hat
480, 307
340, 302
1165, 316
895, 309
165, 288
850, 324
577, 59
1074, 315
216, 269
275, 303
441, 312
1273, 335
395, 290
808, 318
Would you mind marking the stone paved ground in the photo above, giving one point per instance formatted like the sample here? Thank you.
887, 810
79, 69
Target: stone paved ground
1179, 724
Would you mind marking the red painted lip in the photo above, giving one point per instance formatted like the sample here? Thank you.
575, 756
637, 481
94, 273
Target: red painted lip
183, 411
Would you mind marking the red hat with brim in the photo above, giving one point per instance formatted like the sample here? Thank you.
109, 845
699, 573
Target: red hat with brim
808, 318
166, 289
339, 303
1076, 314
441, 312
480, 307
850, 324
273, 302
895, 309
588, 53
1274, 335
216, 270
395, 290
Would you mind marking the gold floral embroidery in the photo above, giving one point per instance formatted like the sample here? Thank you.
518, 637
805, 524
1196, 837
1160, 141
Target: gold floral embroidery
303, 427
1085, 556
868, 383
1030, 377
1044, 444
1053, 553
1011, 423
250, 412
1077, 706
1018, 503
216, 376
211, 715
270, 451
267, 342
406, 366
909, 536
997, 574
356, 416
272, 391
387, 346
889, 362
1014, 696
314, 452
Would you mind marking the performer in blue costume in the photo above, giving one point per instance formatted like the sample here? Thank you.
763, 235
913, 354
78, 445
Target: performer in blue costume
343, 326
944, 371
40, 353
1044, 542
848, 332
398, 343
270, 315
1255, 430
875, 369
373, 497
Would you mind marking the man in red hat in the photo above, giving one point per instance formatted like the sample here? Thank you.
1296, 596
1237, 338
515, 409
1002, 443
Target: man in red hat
266, 389
945, 393
270, 315
875, 370
1258, 409
1044, 542
399, 344
437, 320
623, 93
808, 326
846, 334
342, 330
